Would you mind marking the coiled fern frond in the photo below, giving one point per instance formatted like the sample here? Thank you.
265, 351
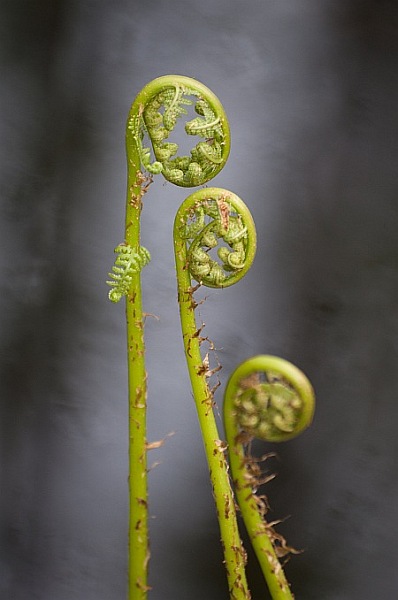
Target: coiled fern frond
151, 124
215, 244
219, 234
160, 104
270, 399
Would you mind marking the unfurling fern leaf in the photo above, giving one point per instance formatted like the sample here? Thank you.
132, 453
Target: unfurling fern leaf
158, 108
156, 111
126, 265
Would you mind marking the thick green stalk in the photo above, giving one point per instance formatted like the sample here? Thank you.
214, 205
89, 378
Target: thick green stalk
137, 393
229, 222
271, 399
152, 118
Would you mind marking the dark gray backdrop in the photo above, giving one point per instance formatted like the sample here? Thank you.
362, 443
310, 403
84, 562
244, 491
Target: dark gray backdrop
310, 88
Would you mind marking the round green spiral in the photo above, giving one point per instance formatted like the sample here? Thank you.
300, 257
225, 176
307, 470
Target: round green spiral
219, 234
270, 399
153, 118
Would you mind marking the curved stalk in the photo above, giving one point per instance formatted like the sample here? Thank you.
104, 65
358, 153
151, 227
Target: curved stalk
268, 398
153, 117
213, 219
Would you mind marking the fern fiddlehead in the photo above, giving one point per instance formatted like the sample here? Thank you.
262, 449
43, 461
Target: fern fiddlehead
214, 219
151, 122
160, 105
267, 398
215, 244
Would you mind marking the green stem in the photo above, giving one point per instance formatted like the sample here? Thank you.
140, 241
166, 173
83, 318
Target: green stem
137, 393
154, 115
269, 398
230, 219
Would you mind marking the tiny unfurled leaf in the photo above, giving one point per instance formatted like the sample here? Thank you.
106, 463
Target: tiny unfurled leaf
127, 263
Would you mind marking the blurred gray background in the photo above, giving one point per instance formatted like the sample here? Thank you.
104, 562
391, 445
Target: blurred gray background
310, 88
